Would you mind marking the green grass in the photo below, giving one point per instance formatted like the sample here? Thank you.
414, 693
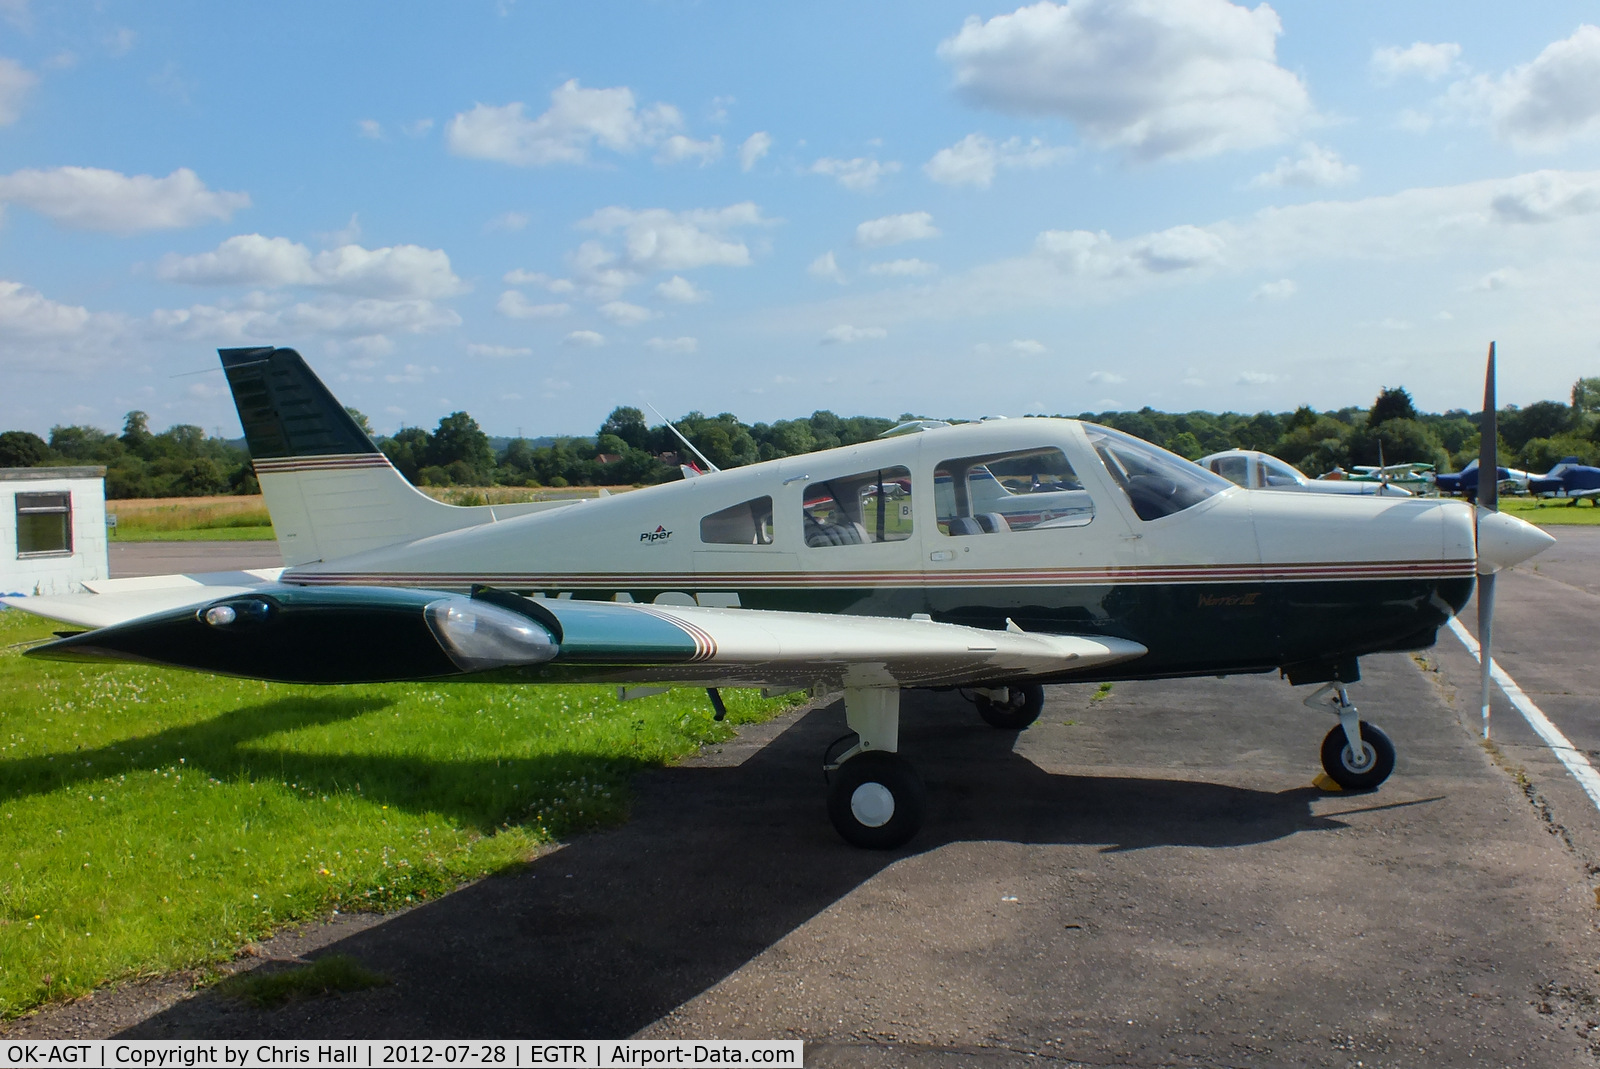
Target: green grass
267, 987
1550, 511
195, 534
154, 820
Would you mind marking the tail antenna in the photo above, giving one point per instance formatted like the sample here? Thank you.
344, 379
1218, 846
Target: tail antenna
703, 458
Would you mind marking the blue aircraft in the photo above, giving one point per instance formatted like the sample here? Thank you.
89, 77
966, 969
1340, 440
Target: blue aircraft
1465, 481
1577, 481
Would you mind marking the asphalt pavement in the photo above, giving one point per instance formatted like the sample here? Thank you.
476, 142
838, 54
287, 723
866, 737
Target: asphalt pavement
130, 559
1143, 880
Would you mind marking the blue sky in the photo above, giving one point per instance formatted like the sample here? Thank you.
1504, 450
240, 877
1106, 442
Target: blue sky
539, 211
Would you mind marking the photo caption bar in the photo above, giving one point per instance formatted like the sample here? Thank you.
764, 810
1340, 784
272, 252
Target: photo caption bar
310, 1054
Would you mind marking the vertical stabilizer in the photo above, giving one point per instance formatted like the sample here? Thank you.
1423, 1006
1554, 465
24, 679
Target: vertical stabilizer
330, 490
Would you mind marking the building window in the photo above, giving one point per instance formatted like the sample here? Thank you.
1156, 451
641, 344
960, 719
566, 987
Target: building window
749, 523
44, 525
852, 510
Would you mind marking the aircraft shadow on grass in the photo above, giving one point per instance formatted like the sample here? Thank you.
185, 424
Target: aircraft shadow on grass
717, 864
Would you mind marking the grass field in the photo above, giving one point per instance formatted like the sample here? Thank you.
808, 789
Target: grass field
153, 820
1550, 511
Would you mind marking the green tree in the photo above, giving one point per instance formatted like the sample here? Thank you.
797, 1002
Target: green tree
628, 424
22, 449
85, 444
136, 432
361, 420
1394, 402
1586, 396
1186, 445
1542, 419
459, 438
408, 450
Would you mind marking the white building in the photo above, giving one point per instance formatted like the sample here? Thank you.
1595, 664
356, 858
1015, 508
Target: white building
52, 529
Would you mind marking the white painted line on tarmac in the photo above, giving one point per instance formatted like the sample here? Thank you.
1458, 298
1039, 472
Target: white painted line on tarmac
1568, 754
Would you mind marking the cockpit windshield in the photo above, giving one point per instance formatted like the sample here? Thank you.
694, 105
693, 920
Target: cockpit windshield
1158, 483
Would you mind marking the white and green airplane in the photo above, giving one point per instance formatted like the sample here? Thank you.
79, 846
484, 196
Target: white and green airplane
992, 557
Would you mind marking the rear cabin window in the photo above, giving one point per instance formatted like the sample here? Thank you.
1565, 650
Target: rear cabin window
1275, 472
1158, 483
44, 525
749, 523
1020, 490
852, 510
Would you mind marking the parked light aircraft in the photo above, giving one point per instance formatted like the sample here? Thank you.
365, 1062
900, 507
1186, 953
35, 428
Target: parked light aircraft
861, 570
1577, 481
1256, 470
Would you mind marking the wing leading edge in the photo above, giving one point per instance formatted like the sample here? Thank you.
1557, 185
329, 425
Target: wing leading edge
379, 634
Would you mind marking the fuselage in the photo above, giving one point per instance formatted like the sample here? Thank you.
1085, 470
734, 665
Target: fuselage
1054, 525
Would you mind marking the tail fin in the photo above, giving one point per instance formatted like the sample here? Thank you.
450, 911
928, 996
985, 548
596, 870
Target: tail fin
330, 490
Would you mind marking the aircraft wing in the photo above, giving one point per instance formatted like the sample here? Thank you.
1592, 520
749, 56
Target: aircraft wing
107, 602
342, 634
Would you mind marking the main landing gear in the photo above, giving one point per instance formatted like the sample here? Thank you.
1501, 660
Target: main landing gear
875, 798
1008, 708
1356, 755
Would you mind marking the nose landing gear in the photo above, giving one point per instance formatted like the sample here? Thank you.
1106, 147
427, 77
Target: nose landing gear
1356, 755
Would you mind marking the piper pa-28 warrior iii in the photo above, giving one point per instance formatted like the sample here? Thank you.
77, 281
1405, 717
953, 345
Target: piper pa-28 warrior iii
993, 557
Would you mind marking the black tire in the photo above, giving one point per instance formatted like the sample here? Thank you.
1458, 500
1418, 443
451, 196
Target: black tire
1337, 760
1022, 707
876, 801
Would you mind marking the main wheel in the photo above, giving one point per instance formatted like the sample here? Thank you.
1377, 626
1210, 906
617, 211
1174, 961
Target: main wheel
876, 800
1022, 707
1356, 772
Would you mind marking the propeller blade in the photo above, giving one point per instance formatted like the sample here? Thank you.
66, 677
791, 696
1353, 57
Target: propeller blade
1489, 449
1488, 501
1485, 641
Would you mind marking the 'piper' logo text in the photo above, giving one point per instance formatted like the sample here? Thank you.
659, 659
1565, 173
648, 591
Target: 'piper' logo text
660, 534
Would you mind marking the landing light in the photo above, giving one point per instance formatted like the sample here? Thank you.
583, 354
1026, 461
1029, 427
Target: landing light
479, 636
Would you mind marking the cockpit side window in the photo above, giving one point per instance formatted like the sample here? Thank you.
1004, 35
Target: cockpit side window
1235, 468
850, 510
749, 523
1275, 472
1158, 483
1019, 490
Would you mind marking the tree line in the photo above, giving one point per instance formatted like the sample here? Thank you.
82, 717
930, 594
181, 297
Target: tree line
182, 461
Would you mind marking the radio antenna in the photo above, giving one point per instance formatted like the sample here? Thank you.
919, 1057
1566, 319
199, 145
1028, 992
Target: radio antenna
681, 438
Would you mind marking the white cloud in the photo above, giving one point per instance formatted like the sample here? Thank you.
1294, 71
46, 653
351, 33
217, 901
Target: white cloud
1280, 290
419, 128
398, 271
336, 316
1179, 248
860, 174
624, 314
844, 334
577, 121
519, 277
513, 305
1547, 103
584, 339
509, 222
678, 148
1170, 80
498, 352
1255, 378
1430, 61
89, 198
973, 160
1106, 377
826, 267
27, 313
1027, 347
15, 82
411, 373
1546, 196
1504, 278
679, 289
1392, 323
680, 346
754, 148
911, 266
1317, 166
371, 129
660, 240
894, 229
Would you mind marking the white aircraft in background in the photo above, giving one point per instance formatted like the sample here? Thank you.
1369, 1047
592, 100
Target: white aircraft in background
862, 570
1256, 470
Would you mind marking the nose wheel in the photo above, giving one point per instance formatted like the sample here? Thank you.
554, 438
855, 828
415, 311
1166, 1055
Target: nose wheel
1361, 771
